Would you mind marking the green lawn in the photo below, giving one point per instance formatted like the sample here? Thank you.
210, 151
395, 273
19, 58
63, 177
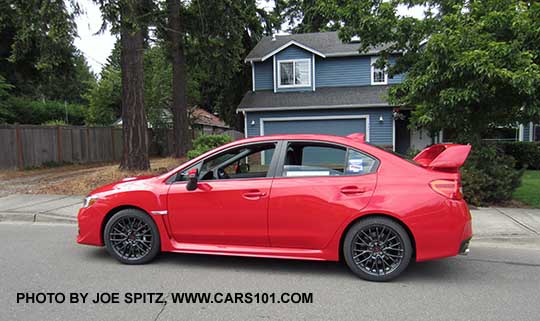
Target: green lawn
529, 191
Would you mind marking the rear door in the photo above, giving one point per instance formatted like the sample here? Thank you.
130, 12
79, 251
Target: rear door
317, 186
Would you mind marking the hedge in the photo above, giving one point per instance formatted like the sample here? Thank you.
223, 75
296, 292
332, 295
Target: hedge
489, 176
24, 110
526, 154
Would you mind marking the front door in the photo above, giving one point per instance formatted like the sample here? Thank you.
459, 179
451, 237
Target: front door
319, 187
231, 204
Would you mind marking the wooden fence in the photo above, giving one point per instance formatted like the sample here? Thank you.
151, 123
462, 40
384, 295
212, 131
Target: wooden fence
26, 146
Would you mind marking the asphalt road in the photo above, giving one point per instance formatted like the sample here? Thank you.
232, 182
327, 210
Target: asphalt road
490, 284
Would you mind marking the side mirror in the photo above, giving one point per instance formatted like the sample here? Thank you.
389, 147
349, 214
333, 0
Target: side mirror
193, 180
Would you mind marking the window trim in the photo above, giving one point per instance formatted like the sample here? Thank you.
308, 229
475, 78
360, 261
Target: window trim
294, 61
269, 175
278, 174
385, 82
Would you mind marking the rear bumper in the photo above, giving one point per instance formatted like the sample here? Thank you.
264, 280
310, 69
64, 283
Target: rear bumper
464, 248
445, 233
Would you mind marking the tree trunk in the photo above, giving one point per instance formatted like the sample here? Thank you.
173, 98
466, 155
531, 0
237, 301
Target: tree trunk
134, 123
181, 134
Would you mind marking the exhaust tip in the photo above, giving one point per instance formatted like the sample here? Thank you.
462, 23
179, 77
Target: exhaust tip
464, 248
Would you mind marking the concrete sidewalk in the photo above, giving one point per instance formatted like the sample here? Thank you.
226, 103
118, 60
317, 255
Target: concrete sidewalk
488, 223
40, 208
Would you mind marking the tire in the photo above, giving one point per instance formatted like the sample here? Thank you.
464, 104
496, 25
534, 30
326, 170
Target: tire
377, 249
132, 237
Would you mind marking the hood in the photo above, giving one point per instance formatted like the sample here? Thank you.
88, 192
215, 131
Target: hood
128, 183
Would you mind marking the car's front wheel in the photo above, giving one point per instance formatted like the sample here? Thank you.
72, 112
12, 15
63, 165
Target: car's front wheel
377, 249
132, 237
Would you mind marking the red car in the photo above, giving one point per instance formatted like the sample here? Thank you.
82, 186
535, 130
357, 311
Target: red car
310, 197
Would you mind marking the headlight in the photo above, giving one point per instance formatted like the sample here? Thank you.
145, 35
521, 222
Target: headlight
89, 201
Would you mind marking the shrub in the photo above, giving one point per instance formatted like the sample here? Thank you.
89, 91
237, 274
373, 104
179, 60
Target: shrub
489, 176
55, 122
29, 111
527, 154
204, 143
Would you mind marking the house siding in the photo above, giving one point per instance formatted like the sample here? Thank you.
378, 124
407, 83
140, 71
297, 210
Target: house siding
345, 71
397, 78
380, 132
329, 72
263, 75
293, 52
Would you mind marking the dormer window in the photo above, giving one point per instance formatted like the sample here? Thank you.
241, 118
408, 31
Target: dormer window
378, 75
294, 73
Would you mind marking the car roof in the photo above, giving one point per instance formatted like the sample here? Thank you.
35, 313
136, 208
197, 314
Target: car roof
313, 137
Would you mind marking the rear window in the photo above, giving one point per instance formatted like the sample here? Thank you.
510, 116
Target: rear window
319, 159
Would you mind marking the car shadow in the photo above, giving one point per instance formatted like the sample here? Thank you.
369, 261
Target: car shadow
443, 270
450, 270
250, 264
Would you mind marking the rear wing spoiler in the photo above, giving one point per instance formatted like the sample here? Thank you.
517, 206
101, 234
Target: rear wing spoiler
443, 156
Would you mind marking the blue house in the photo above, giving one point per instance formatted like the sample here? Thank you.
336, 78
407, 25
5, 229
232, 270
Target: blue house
315, 83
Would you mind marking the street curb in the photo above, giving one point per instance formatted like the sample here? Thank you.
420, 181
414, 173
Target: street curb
18, 217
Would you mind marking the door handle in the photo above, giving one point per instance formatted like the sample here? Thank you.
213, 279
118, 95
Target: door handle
352, 190
254, 195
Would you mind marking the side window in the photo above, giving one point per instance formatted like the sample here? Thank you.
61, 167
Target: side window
312, 159
359, 163
183, 175
308, 159
252, 161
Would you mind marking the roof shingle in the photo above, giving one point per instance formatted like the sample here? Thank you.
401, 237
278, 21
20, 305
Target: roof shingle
327, 43
325, 97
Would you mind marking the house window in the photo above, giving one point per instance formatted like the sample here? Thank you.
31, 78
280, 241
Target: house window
294, 73
378, 75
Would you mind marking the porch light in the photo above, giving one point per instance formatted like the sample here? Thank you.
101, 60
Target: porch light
381, 119
252, 123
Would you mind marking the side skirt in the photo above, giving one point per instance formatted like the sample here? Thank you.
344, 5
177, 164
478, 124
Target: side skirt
250, 251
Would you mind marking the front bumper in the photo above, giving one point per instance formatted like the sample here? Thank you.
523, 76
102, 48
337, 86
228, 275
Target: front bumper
89, 221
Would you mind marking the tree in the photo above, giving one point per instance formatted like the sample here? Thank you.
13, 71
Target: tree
305, 15
105, 98
220, 35
129, 18
179, 108
470, 65
37, 55
5, 113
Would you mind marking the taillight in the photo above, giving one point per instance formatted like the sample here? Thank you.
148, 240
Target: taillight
447, 188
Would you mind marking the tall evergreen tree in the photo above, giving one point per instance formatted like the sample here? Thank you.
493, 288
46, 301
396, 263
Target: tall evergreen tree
179, 108
130, 19
37, 55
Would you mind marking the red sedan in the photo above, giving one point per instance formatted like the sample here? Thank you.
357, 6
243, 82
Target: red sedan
311, 197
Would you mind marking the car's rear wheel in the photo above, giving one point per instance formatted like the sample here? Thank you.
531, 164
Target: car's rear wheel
377, 249
132, 237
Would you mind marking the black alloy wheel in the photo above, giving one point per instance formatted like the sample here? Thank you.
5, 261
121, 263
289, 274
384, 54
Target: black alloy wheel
377, 249
132, 237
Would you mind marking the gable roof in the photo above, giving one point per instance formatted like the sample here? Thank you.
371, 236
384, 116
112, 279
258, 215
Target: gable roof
324, 44
322, 98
